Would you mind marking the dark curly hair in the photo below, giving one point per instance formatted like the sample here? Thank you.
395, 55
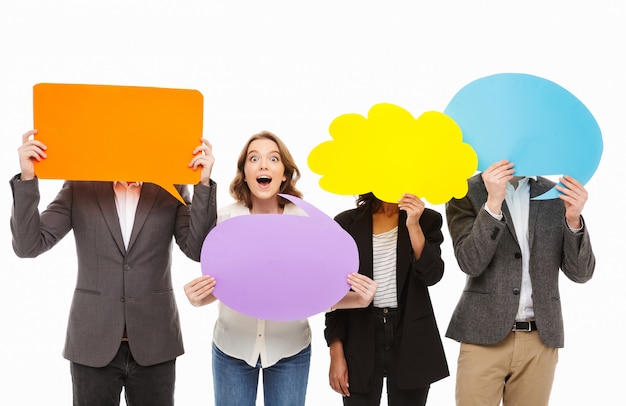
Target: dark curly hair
369, 201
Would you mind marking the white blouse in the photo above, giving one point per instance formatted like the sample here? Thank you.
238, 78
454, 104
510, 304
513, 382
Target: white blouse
248, 338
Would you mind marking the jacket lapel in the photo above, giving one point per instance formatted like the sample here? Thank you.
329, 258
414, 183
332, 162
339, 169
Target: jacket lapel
509, 223
538, 187
361, 231
106, 200
403, 247
149, 192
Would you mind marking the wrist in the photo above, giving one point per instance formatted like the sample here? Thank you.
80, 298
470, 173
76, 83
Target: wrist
575, 224
494, 208
336, 347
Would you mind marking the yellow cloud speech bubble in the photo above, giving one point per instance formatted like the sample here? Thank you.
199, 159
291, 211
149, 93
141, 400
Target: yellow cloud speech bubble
391, 153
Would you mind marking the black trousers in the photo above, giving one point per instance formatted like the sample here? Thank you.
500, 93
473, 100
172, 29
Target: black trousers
143, 385
386, 323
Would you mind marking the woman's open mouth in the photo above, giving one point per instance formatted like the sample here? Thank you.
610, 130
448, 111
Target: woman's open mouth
264, 180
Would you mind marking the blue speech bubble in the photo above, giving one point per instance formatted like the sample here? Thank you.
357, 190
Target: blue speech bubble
536, 124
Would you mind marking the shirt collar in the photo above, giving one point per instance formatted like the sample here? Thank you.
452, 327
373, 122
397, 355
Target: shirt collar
525, 179
126, 184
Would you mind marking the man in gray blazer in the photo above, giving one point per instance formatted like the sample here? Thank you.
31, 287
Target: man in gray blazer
123, 329
509, 319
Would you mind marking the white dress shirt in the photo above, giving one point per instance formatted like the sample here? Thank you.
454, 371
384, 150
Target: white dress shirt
247, 338
126, 201
518, 202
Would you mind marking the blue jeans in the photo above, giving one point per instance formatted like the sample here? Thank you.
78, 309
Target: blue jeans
284, 383
143, 385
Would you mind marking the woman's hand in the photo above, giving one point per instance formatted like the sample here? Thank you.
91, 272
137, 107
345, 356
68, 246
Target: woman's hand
364, 287
338, 373
361, 294
414, 207
200, 290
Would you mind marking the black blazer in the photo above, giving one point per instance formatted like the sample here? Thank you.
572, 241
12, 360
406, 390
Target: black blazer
421, 358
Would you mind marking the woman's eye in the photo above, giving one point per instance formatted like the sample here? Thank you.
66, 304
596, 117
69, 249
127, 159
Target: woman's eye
274, 159
254, 158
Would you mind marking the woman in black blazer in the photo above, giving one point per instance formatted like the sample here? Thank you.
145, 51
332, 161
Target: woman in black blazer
396, 337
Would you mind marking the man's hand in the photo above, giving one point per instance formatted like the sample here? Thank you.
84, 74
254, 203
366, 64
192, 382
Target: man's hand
575, 196
31, 150
203, 157
496, 178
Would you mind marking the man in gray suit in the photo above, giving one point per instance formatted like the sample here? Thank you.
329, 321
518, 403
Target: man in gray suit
123, 329
509, 319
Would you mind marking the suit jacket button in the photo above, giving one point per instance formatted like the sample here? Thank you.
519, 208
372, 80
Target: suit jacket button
518, 255
516, 291
494, 234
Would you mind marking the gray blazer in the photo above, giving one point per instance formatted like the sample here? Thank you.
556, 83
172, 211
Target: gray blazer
487, 251
115, 287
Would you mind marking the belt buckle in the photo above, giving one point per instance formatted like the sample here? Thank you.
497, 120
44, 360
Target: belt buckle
528, 329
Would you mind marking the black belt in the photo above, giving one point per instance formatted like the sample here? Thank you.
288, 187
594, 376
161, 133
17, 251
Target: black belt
525, 326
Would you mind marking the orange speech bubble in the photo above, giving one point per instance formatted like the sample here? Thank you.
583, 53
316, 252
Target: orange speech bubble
109, 133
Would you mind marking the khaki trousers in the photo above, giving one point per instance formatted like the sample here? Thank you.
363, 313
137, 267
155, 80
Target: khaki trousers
519, 370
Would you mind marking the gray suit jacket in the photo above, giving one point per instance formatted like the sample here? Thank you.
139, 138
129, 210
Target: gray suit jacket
115, 287
487, 251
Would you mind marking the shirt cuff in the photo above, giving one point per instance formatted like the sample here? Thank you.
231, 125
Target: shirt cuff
576, 230
495, 216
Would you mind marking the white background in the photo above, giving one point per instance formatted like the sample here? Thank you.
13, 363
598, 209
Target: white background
291, 67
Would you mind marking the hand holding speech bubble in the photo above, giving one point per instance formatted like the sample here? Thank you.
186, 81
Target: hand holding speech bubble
391, 153
280, 267
109, 133
536, 124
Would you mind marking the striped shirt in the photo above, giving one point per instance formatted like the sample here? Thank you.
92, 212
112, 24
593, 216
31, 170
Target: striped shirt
385, 254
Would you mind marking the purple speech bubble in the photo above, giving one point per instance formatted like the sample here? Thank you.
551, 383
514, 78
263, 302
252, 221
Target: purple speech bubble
280, 267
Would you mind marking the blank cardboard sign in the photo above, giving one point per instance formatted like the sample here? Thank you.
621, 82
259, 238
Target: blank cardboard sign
108, 133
